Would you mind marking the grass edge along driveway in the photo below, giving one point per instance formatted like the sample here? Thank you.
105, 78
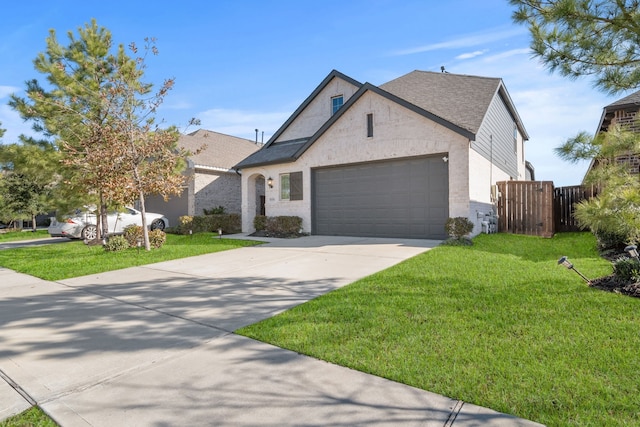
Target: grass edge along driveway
498, 324
74, 259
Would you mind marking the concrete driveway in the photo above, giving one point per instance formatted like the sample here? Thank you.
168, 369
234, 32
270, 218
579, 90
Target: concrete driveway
153, 345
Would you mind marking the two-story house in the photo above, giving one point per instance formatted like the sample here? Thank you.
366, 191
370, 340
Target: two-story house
395, 160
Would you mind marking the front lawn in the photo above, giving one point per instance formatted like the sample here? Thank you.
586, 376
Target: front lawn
12, 236
498, 324
72, 259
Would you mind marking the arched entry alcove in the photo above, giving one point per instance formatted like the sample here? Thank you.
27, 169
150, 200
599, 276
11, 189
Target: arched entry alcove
255, 198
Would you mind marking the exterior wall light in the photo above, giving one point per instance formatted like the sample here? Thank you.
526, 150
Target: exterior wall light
270, 182
565, 261
632, 250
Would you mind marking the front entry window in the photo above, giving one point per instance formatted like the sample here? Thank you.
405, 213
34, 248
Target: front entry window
291, 186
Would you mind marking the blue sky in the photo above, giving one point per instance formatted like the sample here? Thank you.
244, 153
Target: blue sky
241, 65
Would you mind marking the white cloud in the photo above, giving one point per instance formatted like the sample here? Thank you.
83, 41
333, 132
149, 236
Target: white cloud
14, 125
507, 54
465, 41
471, 54
5, 91
242, 123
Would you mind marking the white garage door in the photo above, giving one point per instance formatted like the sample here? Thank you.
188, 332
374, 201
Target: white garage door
398, 198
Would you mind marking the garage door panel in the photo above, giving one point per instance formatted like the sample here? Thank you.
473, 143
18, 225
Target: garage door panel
398, 198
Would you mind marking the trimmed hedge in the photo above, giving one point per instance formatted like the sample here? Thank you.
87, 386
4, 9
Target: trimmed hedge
260, 222
229, 223
283, 226
287, 225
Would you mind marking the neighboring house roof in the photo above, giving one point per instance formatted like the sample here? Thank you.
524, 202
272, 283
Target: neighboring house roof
457, 102
218, 151
628, 102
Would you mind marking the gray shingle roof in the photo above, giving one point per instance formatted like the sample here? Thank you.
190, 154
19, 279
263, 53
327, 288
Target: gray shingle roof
280, 152
633, 99
220, 150
459, 99
608, 112
458, 102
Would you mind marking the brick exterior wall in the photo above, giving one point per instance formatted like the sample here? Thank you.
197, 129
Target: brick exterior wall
626, 118
629, 120
217, 189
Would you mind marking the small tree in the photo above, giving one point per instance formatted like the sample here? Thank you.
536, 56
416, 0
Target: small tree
146, 155
102, 118
30, 179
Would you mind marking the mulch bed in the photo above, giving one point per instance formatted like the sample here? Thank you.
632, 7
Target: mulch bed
613, 284
263, 233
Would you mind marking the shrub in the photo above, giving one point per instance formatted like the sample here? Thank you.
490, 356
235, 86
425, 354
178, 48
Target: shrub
157, 238
608, 241
116, 243
230, 224
458, 227
627, 269
260, 222
132, 233
185, 220
283, 225
214, 211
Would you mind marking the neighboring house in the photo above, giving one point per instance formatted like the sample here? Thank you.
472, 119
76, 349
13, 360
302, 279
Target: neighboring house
212, 179
395, 160
623, 112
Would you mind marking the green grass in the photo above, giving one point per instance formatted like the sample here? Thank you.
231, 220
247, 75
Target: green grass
498, 324
73, 259
12, 236
33, 417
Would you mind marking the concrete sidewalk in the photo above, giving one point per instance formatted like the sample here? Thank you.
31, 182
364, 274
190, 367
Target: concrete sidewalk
153, 345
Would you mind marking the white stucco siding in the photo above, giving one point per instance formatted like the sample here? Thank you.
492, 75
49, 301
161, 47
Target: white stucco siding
398, 132
318, 111
482, 176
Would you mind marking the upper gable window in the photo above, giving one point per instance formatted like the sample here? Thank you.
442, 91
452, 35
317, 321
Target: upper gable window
336, 103
370, 125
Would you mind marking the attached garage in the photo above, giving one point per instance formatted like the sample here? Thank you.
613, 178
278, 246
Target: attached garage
406, 198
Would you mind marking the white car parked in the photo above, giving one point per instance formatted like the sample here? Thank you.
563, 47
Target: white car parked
82, 224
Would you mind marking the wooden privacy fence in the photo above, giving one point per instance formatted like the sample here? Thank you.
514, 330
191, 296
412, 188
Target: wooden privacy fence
526, 207
537, 208
564, 199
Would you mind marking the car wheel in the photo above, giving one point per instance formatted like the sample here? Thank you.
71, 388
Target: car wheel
90, 232
157, 224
